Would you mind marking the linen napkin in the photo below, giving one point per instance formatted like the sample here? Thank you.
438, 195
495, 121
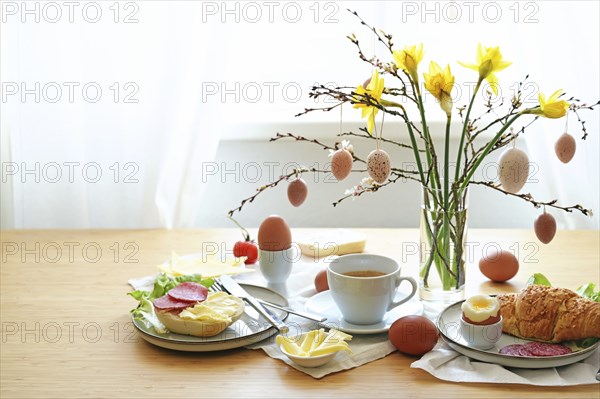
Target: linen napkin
446, 364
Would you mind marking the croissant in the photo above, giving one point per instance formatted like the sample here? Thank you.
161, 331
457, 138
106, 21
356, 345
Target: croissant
549, 314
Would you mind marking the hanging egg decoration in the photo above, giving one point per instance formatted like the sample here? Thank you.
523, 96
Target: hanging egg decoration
341, 163
297, 191
545, 227
565, 147
514, 169
379, 165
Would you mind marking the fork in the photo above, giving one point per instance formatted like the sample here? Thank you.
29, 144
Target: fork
216, 287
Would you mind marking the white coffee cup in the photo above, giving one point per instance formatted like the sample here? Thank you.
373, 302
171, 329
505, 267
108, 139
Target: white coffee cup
366, 300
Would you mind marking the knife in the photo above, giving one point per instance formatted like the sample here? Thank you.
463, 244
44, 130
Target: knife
235, 289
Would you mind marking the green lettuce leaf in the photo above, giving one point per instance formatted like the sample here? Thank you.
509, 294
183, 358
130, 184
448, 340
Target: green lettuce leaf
589, 291
539, 279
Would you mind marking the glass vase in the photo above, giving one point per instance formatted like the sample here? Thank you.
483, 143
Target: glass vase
443, 235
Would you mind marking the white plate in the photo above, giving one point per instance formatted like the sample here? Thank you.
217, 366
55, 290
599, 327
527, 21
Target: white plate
449, 326
322, 304
250, 328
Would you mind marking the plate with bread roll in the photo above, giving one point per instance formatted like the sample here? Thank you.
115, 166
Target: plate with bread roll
182, 313
539, 327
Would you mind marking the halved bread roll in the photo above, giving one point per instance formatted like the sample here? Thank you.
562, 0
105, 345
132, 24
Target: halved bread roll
219, 311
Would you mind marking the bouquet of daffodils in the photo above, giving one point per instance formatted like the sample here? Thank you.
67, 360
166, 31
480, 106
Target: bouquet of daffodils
394, 89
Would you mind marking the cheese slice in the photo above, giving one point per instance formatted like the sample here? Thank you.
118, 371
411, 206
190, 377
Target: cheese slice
332, 242
316, 343
218, 307
209, 267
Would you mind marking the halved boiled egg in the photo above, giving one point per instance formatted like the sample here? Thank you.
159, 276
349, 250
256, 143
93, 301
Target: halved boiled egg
481, 310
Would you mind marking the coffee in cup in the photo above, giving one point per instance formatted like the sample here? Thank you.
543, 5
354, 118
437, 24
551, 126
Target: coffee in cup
363, 286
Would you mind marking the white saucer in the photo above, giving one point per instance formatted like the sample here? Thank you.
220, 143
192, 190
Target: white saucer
322, 304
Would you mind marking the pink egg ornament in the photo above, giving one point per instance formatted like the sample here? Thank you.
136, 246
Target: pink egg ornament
565, 147
297, 192
545, 227
341, 164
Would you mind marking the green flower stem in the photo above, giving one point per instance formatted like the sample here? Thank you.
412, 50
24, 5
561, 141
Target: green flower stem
446, 236
431, 156
464, 132
411, 134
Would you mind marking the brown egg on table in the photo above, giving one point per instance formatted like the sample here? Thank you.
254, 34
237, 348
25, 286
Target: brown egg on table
297, 192
545, 227
413, 335
321, 282
499, 265
274, 234
379, 165
565, 147
514, 169
341, 164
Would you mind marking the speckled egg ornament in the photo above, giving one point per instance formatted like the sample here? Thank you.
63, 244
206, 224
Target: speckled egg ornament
341, 164
379, 165
565, 147
514, 169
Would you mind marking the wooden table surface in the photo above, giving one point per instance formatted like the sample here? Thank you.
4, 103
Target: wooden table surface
66, 329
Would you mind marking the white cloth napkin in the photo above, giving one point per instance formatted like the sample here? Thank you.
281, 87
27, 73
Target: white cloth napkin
446, 364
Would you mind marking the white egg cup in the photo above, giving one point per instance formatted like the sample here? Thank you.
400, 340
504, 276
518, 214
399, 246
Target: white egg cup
481, 336
276, 266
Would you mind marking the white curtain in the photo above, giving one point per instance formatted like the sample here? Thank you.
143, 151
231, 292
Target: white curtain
168, 72
125, 156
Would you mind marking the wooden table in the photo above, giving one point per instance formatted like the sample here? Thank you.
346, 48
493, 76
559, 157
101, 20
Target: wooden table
66, 330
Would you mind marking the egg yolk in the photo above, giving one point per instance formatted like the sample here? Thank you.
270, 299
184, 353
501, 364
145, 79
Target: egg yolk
481, 309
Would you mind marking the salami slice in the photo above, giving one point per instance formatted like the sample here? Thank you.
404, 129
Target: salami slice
537, 349
189, 292
166, 302
542, 349
515, 350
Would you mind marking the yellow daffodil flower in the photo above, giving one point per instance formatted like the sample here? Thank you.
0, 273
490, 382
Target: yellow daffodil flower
553, 107
440, 83
374, 89
489, 61
408, 60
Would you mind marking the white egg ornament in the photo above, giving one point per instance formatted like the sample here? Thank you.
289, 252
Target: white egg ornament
297, 192
545, 227
341, 164
565, 147
514, 169
379, 165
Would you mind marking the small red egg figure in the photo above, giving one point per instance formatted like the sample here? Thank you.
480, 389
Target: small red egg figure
297, 192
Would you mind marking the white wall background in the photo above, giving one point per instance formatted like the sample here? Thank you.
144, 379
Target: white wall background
213, 81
